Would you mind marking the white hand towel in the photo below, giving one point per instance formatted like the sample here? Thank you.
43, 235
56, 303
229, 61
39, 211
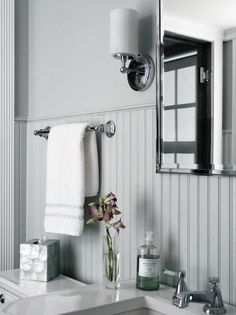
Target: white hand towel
66, 179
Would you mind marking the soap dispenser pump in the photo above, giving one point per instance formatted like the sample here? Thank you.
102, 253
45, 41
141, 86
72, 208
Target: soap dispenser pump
148, 265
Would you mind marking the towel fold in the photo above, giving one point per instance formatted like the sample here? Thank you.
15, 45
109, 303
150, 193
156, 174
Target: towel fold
65, 192
91, 164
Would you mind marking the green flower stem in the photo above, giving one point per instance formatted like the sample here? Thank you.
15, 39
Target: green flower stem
111, 256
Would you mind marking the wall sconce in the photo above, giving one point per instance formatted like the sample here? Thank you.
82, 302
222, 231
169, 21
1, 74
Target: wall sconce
124, 33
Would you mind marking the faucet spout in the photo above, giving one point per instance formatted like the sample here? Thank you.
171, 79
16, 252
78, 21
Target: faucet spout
203, 297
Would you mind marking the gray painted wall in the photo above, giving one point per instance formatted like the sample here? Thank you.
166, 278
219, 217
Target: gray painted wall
21, 58
67, 47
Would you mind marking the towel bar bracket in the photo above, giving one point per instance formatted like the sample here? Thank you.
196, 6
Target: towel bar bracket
109, 128
43, 132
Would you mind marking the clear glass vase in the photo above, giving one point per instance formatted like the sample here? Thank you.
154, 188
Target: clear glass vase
111, 260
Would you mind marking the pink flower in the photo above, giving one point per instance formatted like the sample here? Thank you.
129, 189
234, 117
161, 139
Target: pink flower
95, 213
118, 225
105, 210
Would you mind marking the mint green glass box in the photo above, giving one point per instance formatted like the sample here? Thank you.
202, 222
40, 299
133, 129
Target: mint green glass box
39, 260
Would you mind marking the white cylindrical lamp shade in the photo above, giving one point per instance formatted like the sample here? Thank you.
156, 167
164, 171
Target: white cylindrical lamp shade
124, 32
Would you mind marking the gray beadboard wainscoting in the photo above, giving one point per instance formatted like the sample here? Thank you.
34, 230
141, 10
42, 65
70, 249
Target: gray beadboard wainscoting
193, 217
6, 134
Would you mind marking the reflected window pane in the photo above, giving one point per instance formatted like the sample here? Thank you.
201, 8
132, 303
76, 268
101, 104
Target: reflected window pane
185, 158
186, 118
169, 88
168, 158
169, 125
186, 85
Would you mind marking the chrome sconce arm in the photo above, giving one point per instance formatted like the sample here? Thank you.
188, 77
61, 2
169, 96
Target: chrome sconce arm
124, 59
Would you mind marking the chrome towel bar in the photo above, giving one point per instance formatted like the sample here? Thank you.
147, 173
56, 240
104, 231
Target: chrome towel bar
109, 128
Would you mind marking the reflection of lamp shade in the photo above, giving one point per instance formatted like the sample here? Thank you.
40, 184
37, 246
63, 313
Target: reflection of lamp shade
124, 32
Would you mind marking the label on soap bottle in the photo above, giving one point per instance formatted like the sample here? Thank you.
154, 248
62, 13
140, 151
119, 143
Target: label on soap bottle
149, 267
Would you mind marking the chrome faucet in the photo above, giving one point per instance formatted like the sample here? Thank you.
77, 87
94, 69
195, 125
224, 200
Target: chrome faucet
181, 286
212, 298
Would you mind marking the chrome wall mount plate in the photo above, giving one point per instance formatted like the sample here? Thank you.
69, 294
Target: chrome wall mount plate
109, 128
141, 73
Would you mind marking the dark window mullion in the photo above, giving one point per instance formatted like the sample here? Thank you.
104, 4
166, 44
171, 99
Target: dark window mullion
179, 106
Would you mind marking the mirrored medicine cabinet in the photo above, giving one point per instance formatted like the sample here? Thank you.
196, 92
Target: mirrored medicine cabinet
196, 99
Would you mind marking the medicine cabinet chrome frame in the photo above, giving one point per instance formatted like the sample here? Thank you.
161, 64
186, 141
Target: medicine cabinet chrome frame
159, 110
159, 83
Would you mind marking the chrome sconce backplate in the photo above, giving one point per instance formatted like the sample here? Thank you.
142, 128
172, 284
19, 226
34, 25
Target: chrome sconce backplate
140, 71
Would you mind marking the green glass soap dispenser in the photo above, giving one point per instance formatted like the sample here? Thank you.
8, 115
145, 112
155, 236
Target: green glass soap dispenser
148, 265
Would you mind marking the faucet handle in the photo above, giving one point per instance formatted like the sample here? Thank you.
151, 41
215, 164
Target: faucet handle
217, 307
181, 274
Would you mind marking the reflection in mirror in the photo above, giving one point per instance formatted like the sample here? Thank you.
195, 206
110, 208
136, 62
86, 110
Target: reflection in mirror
187, 103
197, 112
229, 104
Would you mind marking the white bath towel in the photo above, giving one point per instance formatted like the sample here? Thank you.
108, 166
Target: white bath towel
65, 192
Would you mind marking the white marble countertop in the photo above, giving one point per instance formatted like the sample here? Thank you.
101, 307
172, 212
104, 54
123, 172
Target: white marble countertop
96, 300
10, 281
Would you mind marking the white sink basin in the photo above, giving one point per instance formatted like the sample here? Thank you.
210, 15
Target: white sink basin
141, 311
9, 298
136, 306
60, 305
